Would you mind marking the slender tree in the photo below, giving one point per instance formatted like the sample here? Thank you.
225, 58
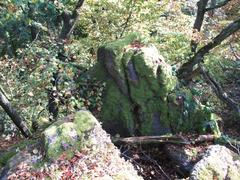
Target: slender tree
14, 115
194, 66
69, 20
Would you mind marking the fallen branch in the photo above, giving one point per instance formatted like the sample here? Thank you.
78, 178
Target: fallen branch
150, 140
158, 140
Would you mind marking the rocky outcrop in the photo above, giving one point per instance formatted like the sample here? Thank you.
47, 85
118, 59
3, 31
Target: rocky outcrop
74, 148
142, 95
217, 163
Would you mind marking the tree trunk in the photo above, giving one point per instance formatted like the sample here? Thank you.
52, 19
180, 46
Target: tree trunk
187, 68
199, 21
13, 114
69, 21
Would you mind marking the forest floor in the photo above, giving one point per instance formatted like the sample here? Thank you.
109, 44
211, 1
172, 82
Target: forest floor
6, 143
151, 162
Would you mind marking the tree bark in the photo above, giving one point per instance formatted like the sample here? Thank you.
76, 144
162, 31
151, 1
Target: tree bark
14, 115
69, 21
199, 21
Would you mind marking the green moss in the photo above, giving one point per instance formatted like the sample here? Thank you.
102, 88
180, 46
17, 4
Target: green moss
148, 92
84, 121
67, 136
117, 107
118, 45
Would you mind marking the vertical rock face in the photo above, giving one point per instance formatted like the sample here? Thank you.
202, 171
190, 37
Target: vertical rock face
140, 86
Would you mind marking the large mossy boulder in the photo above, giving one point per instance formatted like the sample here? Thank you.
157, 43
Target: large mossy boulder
74, 148
142, 95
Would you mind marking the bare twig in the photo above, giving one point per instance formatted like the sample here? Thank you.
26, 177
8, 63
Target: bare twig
236, 55
125, 24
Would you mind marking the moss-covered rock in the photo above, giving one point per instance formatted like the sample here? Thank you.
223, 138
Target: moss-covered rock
141, 94
75, 148
217, 163
68, 134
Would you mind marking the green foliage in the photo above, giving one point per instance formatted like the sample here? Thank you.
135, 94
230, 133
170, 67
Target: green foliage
174, 47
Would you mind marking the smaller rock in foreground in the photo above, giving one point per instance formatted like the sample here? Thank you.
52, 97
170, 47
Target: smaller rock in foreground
217, 163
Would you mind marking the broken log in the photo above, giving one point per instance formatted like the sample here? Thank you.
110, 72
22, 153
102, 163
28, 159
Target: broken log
160, 140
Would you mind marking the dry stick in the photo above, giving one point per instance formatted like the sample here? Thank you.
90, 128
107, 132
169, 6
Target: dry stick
143, 140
